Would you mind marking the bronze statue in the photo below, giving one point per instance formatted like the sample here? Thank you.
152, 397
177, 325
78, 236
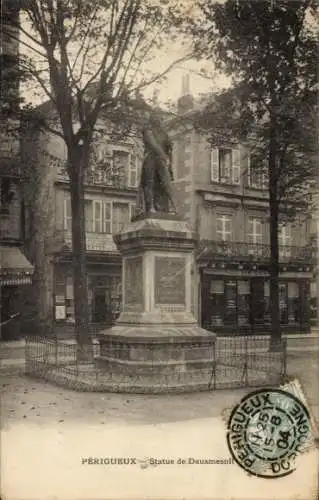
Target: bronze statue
155, 190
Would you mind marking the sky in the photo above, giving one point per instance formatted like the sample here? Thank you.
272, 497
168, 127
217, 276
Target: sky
168, 90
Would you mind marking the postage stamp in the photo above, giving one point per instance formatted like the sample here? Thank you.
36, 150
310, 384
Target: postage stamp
267, 431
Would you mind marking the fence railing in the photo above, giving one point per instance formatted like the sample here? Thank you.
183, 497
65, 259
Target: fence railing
235, 362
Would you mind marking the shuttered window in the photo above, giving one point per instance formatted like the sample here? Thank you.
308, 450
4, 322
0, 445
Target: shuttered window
102, 217
225, 165
257, 173
214, 165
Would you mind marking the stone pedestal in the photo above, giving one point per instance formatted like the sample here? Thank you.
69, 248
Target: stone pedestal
156, 340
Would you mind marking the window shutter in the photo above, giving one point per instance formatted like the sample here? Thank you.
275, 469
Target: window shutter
107, 217
259, 231
88, 208
265, 176
214, 165
67, 214
97, 216
236, 166
228, 224
248, 170
132, 210
133, 171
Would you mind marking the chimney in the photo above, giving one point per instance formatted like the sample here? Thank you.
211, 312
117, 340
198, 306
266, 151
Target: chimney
186, 101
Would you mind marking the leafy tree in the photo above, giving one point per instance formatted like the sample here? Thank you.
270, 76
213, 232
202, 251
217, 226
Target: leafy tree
269, 49
85, 56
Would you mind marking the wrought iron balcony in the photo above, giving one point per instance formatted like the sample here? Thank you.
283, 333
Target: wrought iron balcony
253, 252
118, 180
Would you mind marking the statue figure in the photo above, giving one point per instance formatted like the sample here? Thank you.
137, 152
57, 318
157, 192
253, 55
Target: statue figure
155, 190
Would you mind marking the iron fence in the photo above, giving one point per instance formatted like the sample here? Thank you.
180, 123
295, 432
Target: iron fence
254, 251
234, 362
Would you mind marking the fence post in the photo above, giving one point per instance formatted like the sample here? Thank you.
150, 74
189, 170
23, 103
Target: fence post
212, 382
76, 360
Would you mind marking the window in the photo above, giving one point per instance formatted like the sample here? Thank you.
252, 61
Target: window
67, 216
255, 230
225, 166
121, 216
224, 228
102, 217
6, 194
132, 210
284, 241
284, 236
257, 173
293, 302
283, 302
125, 168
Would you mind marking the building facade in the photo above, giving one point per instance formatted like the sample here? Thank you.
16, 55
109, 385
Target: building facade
15, 270
226, 202
110, 196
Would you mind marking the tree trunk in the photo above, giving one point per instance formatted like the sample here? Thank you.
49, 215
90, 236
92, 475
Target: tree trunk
275, 339
81, 308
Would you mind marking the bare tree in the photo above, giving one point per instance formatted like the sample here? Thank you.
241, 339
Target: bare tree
85, 56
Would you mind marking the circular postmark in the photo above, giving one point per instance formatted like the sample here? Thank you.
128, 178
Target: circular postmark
266, 432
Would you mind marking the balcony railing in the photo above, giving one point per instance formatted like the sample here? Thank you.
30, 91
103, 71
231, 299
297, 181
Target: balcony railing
95, 242
116, 180
249, 251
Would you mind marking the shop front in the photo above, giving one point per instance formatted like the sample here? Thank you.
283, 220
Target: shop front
234, 304
104, 294
15, 281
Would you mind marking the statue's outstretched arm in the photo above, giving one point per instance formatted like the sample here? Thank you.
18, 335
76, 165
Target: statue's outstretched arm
150, 138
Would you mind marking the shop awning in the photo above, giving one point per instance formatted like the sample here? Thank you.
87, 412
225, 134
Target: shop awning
15, 269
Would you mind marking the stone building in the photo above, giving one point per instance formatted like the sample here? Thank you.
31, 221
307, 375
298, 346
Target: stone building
226, 203
15, 270
216, 190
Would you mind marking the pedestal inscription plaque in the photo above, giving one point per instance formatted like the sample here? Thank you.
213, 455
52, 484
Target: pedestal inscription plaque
170, 280
133, 269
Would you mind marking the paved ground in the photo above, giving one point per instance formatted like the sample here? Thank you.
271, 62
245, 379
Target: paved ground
47, 431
